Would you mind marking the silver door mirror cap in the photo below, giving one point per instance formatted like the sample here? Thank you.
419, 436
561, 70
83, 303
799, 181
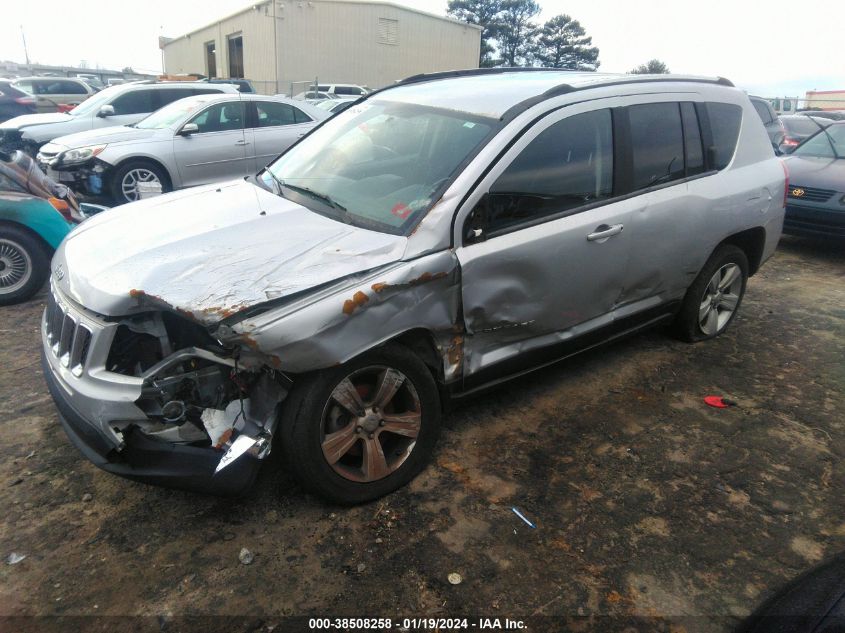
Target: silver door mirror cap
188, 129
106, 110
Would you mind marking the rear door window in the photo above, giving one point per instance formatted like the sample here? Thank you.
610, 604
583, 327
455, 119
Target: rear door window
763, 111
566, 166
271, 114
725, 119
657, 144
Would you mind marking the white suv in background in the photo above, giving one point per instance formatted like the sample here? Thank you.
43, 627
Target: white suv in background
118, 105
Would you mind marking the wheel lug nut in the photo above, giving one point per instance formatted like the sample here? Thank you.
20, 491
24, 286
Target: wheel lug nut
359, 429
381, 422
371, 436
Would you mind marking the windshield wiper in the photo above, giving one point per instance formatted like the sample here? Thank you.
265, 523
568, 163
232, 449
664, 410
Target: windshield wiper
322, 197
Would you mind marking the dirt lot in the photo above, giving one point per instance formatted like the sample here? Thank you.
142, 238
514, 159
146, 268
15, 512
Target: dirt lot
647, 502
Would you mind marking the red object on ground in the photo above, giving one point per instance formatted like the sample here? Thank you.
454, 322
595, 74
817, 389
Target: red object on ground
716, 401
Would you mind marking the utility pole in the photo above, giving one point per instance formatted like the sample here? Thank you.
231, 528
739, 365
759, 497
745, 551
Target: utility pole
25, 52
275, 47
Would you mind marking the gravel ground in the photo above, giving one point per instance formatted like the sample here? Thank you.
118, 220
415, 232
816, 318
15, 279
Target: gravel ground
648, 504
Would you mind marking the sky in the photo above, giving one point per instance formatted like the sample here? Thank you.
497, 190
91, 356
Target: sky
772, 48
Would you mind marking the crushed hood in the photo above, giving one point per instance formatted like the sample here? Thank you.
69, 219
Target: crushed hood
210, 252
116, 134
27, 120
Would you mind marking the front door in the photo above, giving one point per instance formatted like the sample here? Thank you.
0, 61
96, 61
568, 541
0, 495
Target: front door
552, 262
217, 150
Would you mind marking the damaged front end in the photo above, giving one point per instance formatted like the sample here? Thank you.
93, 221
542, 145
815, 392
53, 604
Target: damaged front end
154, 397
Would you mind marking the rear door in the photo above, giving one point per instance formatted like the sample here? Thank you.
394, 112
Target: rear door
273, 127
217, 151
555, 243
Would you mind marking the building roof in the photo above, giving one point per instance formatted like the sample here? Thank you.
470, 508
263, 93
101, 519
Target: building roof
496, 92
164, 41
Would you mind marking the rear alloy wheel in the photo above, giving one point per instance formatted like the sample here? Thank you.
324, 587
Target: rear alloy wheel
23, 265
713, 299
361, 430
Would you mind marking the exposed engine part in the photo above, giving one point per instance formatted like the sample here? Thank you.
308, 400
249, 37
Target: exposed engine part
173, 411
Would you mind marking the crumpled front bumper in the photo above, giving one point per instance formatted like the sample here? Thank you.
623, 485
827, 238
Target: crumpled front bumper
147, 459
89, 399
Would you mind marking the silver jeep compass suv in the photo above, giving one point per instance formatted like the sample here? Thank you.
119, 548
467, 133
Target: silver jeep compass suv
435, 238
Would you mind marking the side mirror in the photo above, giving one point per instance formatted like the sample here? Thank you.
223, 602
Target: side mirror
188, 129
106, 110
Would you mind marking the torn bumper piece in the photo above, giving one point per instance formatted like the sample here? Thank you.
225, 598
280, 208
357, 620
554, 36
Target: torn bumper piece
151, 460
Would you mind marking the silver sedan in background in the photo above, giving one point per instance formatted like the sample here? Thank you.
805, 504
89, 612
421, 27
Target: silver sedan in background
193, 141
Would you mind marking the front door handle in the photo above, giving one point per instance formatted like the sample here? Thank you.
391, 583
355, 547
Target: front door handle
604, 231
241, 142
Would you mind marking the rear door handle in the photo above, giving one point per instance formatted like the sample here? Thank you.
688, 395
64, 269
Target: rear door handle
241, 142
604, 231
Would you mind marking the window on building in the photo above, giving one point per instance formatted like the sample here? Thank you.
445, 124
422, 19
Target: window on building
210, 59
388, 31
657, 143
236, 56
724, 124
568, 165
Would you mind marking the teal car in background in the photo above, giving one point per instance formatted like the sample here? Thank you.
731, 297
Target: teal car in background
35, 216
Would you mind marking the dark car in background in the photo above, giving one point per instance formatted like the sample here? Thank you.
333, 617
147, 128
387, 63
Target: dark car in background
834, 115
14, 102
797, 128
770, 120
816, 194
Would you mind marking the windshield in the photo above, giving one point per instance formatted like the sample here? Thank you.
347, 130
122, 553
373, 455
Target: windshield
380, 165
93, 103
829, 143
172, 113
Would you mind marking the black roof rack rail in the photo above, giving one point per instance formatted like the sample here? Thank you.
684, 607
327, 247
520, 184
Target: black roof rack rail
555, 91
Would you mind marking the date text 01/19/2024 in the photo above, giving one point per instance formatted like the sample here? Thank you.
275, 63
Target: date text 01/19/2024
414, 624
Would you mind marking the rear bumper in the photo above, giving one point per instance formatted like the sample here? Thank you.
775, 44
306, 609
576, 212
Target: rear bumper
814, 222
147, 459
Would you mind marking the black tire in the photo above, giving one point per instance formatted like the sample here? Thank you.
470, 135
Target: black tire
302, 427
687, 322
123, 170
20, 247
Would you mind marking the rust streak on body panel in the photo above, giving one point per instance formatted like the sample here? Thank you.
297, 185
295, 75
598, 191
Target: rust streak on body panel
357, 300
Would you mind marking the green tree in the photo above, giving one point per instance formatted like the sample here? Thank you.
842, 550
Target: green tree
516, 32
653, 67
563, 43
484, 13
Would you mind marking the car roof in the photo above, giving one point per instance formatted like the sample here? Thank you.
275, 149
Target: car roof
495, 92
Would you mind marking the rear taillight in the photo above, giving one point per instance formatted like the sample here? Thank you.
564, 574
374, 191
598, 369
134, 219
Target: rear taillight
792, 142
785, 182
62, 207
65, 107
25, 101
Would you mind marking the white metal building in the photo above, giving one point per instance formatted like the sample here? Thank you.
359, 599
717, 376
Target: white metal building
276, 42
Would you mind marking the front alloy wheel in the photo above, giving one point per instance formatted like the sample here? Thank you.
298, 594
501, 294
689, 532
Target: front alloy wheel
371, 423
358, 431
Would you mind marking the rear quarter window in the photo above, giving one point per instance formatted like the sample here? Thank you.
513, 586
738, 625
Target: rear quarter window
725, 119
